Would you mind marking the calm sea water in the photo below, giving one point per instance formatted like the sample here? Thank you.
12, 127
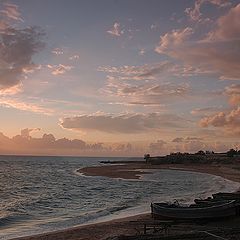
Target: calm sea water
42, 194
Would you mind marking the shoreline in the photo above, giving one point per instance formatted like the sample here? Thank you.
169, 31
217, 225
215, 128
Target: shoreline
122, 226
92, 231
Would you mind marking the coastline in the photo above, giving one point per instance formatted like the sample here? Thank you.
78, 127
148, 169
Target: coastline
122, 226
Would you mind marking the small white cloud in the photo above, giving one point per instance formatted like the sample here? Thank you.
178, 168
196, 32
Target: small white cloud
153, 26
57, 51
116, 30
74, 57
59, 69
142, 52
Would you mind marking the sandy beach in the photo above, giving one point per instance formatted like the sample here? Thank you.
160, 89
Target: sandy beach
135, 170
125, 226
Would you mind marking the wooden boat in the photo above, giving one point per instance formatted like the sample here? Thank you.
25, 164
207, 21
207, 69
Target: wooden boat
221, 196
227, 196
196, 211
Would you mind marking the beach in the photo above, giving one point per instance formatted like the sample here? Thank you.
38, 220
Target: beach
135, 170
124, 226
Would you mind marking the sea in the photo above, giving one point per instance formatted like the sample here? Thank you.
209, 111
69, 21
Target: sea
44, 194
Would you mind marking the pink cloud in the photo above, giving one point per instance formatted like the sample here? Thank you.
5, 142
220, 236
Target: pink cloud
48, 144
143, 72
147, 94
233, 92
122, 123
23, 106
176, 38
205, 111
228, 27
11, 90
25, 133
219, 57
11, 11
230, 121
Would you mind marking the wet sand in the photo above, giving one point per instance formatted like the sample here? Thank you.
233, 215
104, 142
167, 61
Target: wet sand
124, 226
98, 231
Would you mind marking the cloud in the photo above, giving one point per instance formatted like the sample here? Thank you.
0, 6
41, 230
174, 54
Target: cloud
74, 57
205, 111
229, 121
17, 48
176, 38
194, 146
152, 71
221, 119
228, 27
210, 54
195, 13
24, 143
11, 12
57, 51
138, 73
157, 146
121, 147
147, 94
126, 83
178, 140
187, 139
47, 144
142, 52
116, 30
124, 123
24, 106
59, 69
233, 92
11, 90
125, 70
188, 144
121, 77
25, 133
153, 27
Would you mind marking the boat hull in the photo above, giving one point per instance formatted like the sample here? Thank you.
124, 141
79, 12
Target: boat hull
228, 209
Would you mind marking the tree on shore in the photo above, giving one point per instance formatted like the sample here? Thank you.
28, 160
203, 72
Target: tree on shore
146, 157
232, 152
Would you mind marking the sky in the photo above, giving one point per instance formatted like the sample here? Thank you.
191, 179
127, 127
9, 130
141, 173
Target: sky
119, 78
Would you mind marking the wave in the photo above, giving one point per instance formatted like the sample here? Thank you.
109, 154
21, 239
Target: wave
12, 219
